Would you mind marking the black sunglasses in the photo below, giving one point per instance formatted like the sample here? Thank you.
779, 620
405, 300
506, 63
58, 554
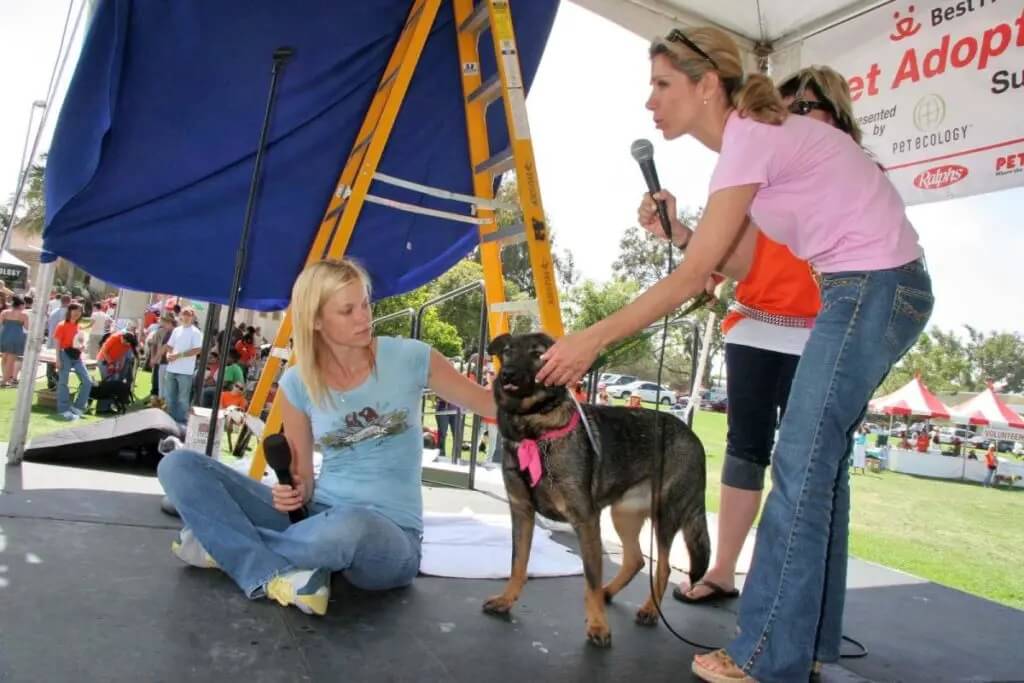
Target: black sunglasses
677, 36
805, 107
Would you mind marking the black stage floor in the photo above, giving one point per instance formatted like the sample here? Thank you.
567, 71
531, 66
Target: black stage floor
90, 592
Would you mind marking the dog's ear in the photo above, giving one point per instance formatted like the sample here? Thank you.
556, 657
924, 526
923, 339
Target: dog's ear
499, 344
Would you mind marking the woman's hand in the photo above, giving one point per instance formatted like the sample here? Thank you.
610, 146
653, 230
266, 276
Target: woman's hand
569, 359
647, 215
288, 498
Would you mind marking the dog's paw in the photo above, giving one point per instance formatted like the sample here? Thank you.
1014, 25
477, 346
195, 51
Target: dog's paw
498, 604
599, 635
647, 615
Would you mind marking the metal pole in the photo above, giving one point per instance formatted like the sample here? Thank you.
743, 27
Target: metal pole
209, 332
281, 57
481, 350
705, 351
23, 402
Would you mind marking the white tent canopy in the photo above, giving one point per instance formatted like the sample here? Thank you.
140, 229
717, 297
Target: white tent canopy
936, 84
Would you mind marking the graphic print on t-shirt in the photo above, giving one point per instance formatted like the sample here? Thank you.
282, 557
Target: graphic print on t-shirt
366, 424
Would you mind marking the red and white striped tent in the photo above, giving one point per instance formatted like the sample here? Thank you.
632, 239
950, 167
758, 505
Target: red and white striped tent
986, 409
913, 398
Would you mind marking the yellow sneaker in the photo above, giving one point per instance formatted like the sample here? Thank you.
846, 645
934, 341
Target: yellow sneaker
309, 590
189, 550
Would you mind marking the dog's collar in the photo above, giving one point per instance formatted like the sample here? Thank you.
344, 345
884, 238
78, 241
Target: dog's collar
529, 453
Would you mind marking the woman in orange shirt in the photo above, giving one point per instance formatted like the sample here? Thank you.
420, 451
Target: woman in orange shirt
765, 332
69, 358
115, 361
246, 351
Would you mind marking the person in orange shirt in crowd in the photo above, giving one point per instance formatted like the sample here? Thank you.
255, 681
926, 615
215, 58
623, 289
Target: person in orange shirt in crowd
115, 361
991, 464
923, 441
766, 329
580, 392
234, 396
70, 345
247, 351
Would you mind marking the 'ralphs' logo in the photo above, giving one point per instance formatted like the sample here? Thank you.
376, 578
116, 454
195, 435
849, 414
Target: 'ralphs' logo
940, 176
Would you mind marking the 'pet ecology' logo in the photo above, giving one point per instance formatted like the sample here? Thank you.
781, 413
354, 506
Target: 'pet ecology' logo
949, 54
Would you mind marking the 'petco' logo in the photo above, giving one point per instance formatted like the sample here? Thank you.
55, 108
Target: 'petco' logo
940, 176
1011, 163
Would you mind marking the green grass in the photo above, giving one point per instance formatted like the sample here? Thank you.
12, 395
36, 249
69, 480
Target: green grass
956, 534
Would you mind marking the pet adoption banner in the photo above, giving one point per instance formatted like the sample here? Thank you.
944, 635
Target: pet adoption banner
938, 89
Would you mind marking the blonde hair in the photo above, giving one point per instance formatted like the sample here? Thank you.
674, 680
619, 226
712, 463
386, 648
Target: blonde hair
830, 88
753, 96
314, 286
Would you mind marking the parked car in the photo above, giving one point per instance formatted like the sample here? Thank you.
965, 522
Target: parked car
619, 380
647, 391
952, 434
874, 427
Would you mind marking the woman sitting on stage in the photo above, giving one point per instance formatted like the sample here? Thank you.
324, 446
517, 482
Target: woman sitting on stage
357, 397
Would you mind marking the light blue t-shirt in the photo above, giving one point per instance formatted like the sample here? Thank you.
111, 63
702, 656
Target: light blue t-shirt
371, 437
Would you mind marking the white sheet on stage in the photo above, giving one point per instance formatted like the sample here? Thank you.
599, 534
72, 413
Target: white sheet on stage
477, 546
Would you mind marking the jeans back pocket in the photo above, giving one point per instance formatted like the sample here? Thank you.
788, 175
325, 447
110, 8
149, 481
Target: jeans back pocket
911, 309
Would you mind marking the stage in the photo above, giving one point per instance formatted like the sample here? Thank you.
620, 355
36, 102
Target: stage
89, 591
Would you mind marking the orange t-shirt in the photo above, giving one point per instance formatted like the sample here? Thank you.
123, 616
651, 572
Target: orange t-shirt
229, 398
65, 334
778, 282
114, 349
990, 460
246, 352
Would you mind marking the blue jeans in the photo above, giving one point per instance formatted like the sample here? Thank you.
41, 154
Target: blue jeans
234, 520
989, 475
792, 607
178, 391
67, 365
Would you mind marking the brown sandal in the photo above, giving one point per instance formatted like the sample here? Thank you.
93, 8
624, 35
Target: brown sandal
718, 667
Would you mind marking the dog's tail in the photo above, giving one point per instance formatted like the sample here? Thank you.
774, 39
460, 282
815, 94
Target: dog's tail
698, 543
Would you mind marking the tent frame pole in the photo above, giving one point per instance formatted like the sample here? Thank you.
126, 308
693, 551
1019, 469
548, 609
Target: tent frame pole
281, 57
34, 343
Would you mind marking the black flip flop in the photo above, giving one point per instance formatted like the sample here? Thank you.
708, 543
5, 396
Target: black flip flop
717, 594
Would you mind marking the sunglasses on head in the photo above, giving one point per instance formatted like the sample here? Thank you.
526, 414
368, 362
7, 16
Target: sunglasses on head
805, 107
677, 36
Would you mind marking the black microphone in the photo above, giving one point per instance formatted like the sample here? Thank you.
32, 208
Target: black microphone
279, 457
643, 151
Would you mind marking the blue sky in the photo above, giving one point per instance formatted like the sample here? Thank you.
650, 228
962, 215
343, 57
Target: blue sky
586, 108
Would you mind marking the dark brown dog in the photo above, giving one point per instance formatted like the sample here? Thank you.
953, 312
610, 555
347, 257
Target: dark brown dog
578, 482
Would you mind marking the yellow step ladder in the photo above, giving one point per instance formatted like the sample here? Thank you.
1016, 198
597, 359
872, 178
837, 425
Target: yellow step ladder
352, 189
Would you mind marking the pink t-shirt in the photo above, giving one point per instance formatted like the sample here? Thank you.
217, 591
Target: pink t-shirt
821, 195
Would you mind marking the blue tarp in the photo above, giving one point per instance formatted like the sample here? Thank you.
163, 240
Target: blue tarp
152, 157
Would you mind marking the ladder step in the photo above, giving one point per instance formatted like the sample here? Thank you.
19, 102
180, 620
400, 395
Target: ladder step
521, 306
507, 235
487, 92
476, 21
498, 164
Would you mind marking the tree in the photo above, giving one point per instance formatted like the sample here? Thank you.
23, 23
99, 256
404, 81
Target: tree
996, 357
32, 203
941, 359
590, 302
642, 259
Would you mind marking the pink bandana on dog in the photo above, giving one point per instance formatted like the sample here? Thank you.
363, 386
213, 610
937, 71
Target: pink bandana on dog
529, 454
